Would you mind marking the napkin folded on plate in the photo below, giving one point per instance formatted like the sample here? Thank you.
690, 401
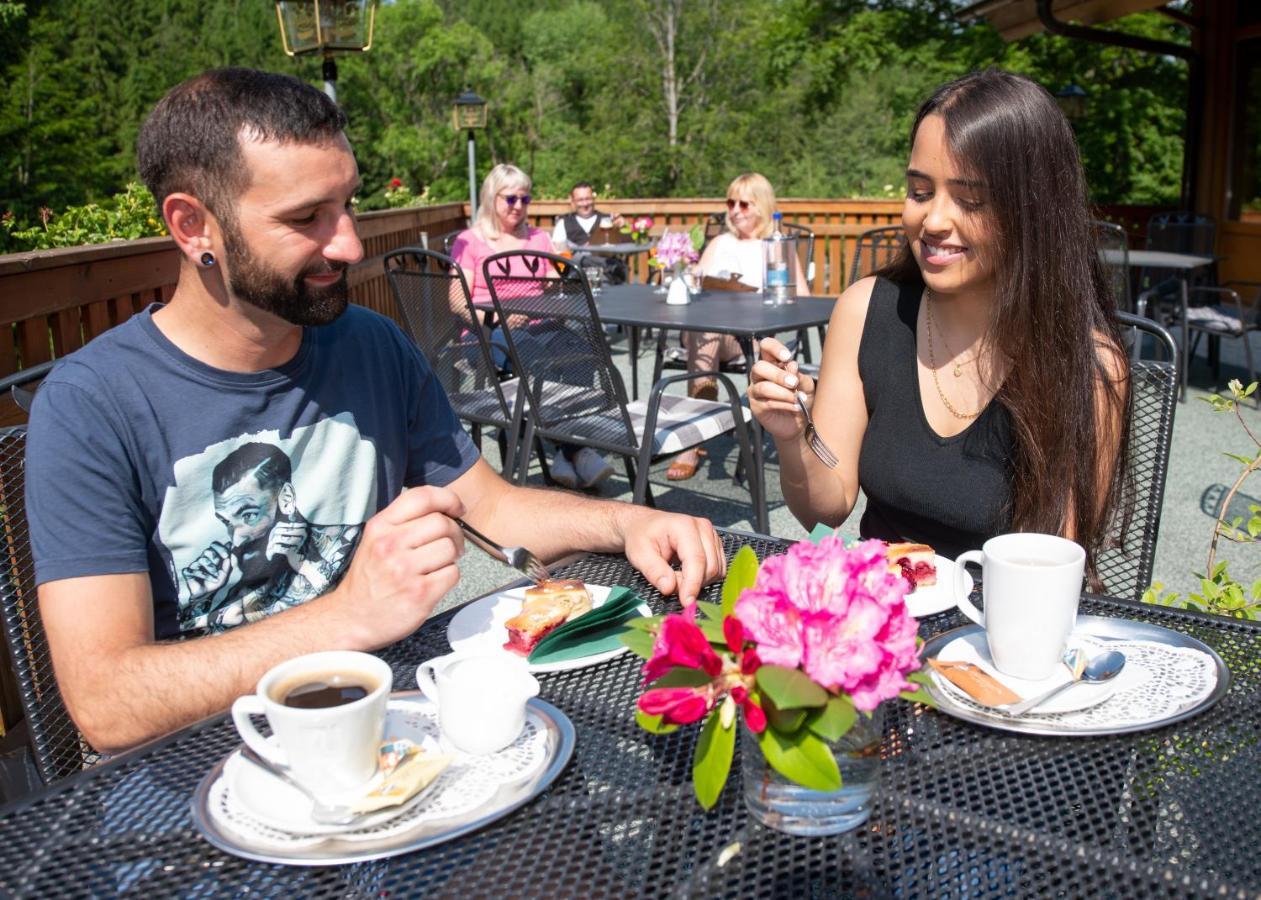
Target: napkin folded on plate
595, 632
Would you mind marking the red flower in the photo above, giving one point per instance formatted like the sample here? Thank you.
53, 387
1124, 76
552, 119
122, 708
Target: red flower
749, 662
754, 717
395, 183
677, 706
733, 631
680, 643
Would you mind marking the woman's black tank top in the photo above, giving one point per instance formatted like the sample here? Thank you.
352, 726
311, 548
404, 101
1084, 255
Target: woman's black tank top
950, 492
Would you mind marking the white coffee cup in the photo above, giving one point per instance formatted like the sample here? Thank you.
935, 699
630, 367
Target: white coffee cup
330, 747
1031, 584
481, 698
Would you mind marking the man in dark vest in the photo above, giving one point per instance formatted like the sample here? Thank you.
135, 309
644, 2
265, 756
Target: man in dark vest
573, 231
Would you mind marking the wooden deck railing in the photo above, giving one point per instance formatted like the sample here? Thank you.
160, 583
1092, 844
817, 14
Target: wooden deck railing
53, 302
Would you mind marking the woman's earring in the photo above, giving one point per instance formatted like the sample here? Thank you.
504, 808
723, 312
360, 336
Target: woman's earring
207, 259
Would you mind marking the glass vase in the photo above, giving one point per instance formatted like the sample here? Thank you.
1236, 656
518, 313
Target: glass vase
786, 806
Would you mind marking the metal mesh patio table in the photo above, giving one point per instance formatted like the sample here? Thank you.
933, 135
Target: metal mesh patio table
962, 811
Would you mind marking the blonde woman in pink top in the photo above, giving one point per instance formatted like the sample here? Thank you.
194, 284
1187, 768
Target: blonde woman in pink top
502, 223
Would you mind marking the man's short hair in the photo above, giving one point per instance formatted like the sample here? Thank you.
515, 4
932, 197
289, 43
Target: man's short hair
267, 462
581, 184
191, 142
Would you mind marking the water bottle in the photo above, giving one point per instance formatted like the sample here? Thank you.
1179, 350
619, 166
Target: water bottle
777, 275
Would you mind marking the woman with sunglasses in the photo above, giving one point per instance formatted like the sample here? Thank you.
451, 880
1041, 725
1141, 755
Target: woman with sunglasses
737, 251
975, 385
502, 223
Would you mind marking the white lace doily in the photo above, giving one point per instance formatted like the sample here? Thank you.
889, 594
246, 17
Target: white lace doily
469, 782
1158, 682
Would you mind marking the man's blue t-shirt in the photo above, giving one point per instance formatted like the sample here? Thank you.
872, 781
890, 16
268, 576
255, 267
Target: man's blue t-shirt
240, 494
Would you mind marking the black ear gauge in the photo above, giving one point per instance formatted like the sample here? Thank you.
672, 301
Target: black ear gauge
207, 259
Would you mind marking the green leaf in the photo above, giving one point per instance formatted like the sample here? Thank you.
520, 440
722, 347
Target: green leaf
789, 688
1247, 461
834, 719
640, 643
709, 610
712, 762
741, 574
819, 532
680, 676
653, 724
644, 623
712, 629
802, 758
785, 721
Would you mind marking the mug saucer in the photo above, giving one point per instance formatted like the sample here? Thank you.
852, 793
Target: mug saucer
974, 648
281, 806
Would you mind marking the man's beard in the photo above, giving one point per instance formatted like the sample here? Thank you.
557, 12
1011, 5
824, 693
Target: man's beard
258, 284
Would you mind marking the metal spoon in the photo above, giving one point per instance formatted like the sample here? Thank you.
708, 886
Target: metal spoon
321, 813
1103, 667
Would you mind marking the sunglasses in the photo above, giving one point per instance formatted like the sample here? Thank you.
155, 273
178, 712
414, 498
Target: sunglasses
743, 204
512, 199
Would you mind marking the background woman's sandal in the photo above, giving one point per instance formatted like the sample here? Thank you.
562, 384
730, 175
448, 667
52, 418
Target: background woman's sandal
680, 470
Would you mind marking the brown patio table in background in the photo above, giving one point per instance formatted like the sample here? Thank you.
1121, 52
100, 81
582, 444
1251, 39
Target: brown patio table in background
963, 810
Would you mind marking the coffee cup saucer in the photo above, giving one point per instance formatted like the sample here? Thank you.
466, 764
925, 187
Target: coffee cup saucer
278, 805
974, 648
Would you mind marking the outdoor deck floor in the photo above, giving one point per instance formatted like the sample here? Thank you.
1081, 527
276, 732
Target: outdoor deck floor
1199, 476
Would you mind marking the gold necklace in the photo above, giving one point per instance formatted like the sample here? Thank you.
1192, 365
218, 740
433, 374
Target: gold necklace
958, 365
932, 361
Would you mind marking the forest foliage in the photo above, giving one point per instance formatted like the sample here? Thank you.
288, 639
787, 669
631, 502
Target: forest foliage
645, 98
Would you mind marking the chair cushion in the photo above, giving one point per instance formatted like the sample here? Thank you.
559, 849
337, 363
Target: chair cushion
684, 422
484, 404
1219, 319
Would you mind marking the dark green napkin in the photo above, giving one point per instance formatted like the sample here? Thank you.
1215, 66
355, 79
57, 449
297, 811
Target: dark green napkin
594, 632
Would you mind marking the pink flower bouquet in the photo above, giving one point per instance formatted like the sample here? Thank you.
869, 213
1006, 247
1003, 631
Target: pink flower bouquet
801, 646
638, 228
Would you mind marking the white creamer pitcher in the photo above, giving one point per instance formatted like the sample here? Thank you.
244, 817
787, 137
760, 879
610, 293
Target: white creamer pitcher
481, 699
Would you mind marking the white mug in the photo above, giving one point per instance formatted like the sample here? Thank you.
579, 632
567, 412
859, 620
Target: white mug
481, 698
331, 747
1031, 584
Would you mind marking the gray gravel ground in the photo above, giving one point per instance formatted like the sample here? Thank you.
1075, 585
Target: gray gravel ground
1199, 476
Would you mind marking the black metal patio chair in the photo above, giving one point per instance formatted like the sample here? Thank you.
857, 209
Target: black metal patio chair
56, 744
1110, 236
440, 318
575, 395
875, 248
1222, 314
1124, 565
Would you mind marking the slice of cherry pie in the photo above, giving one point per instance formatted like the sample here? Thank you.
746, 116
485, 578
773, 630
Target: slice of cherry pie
915, 562
548, 605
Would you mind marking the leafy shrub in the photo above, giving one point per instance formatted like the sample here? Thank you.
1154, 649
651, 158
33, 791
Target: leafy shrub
1219, 592
123, 217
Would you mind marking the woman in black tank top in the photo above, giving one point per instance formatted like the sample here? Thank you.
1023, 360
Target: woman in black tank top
975, 385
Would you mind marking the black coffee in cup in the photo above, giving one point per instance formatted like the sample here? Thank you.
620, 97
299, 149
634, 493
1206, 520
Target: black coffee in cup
321, 690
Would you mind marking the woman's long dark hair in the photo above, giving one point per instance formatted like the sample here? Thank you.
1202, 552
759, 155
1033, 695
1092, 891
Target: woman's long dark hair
1054, 314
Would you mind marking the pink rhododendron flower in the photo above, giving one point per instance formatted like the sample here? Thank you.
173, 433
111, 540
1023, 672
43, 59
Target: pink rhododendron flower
680, 643
839, 614
774, 623
677, 706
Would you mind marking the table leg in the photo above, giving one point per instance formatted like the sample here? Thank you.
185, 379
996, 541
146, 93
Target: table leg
1185, 293
634, 355
761, 515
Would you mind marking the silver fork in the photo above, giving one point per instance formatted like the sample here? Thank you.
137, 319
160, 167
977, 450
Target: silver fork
821, 450
519, 558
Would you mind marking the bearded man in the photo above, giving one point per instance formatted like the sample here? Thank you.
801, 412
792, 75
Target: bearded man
258, 347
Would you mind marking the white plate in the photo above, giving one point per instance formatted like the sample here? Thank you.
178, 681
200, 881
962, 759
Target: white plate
939, 597
282, 806
973, 648
479, 628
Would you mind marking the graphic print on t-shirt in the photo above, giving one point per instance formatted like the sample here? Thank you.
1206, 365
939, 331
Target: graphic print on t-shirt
256, 524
